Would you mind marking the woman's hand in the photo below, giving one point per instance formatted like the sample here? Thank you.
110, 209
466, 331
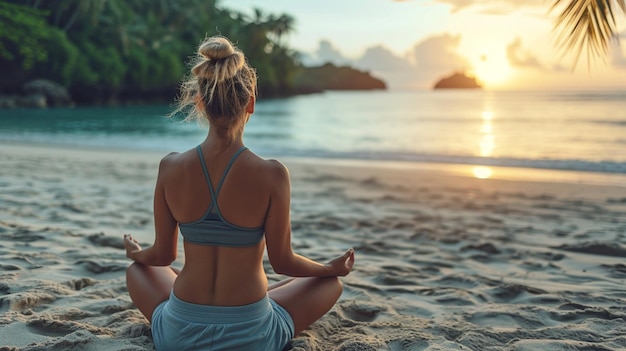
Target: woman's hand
342, 265
131, 246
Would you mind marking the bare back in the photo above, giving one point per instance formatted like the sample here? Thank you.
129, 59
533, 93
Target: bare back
219, 275
226, 225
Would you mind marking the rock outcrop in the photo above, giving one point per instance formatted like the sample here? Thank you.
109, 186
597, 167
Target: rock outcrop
457, 80
55, 94
38, 93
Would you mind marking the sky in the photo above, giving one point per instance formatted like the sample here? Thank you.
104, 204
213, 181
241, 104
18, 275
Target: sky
410, 44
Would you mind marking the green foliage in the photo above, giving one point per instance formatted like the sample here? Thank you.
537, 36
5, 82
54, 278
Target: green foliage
66, 63
22, 30
138, 68
136, 47
152, 68
106, 63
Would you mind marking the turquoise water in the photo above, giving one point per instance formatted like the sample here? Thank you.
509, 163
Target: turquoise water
553, 130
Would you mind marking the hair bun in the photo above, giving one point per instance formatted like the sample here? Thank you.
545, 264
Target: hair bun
216, 48
218, 59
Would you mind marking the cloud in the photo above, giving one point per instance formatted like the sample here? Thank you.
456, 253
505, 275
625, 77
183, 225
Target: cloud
425, 63
381, 58
325, 53
440, 53
618, 59
420, 67
396, 71
521, 58
558, 67
491, 7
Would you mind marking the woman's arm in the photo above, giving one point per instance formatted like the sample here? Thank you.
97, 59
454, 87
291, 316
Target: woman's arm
278, 235
163, 251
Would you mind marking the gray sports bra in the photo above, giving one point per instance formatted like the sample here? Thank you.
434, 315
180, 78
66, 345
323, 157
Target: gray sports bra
212, 228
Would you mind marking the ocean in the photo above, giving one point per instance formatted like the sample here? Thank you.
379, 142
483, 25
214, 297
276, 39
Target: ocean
556, 130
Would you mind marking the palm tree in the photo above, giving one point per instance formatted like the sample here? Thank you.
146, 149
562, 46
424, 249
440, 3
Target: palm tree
282, 25
587, 24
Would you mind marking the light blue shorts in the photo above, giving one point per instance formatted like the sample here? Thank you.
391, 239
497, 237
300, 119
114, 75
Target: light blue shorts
180, 325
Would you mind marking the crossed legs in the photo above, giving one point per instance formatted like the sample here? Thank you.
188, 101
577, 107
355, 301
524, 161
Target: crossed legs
306, 299
148, 286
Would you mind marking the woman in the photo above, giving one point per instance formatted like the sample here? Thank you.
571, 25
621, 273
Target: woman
229, 204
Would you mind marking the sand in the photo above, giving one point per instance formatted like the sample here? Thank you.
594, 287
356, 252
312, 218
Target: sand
444, 261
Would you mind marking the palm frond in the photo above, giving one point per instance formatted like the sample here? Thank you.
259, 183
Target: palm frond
588, 25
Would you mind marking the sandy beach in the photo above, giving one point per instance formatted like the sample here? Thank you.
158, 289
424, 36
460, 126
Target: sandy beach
445, 261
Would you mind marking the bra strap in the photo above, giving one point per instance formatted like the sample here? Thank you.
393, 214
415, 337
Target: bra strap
230, 164
207, 176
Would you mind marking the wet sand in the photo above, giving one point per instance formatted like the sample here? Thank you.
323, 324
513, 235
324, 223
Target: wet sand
444, 261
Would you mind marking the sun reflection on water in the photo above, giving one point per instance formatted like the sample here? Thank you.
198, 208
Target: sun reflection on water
488, 140
487, 144
482, 172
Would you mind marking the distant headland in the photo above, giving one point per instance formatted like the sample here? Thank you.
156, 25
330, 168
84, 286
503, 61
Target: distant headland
41, 93
457, 80
331, 77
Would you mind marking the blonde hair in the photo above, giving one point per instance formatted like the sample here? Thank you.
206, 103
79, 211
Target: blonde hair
219, 87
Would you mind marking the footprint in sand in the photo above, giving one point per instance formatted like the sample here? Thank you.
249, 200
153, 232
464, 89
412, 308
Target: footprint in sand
362, 312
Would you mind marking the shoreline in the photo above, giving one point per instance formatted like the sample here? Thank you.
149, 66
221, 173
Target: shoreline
480, 172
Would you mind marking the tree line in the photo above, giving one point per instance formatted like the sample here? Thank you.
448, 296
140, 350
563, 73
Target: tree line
104, 50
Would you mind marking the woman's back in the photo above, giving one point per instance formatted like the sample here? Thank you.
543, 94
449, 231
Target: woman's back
215, 274
229, 205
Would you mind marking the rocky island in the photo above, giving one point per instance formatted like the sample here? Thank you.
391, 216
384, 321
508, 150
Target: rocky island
458, 80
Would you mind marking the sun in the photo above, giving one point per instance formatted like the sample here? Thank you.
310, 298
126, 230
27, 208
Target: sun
492, 71
482, 172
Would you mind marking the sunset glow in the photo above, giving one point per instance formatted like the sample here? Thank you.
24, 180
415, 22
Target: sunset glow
487, 140
482, 172
411, 44
492, 71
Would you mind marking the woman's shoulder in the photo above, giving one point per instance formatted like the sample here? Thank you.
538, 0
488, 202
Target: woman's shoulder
272, 166
170, 158
175, 161
277, 168
276, 178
